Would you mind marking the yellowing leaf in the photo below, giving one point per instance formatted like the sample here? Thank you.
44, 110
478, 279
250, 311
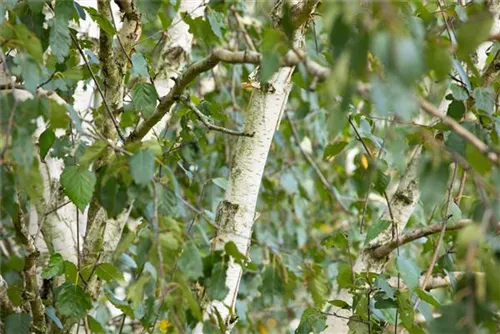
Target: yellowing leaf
364, 161
164, 325
325, 228
262, 329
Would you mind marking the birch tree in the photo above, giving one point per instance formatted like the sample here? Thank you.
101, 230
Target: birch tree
230, 166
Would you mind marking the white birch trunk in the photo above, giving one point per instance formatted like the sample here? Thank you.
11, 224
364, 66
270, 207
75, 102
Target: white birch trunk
236, 213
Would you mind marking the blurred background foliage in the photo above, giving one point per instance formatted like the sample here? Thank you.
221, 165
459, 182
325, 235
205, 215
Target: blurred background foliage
306, 235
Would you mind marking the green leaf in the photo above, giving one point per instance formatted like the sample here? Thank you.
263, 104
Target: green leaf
55, 266
381, 182
190, 261
484, 99
427, 297
95, 326
217, 289
60, 39
144, 96
382, 284
450, 321
433, 182
331, 150
317, 284
112, 196
78, 185
344, 277
456, 110
118, 303
220, 182
339, 303
459, 92
22, 149
72, 301
312, 320
232, 250
473, 32
149, 8
70, 271
273, 50
216, 21
101, 21
477, 160
59, 118
51, 314
142, 167
18, 323
201, 29
407, 313
45, 142
376, 229
409, 272
91, 153
272, 286
139, 65
340, 33
108, 272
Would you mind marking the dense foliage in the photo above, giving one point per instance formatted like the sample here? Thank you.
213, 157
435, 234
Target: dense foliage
344, 143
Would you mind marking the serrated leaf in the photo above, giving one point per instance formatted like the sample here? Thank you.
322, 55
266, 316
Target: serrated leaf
201, 29
190, 261
142, 167
409, 272
216, 21
144, 96
101, 21
337, 240
381, 182
139, 65
459, 93
317, 284
78, 185
331, 150
108, 272
45, 142
484, 99
72, 301
91, 153
272, 286
54, 267
312, 320
59, 118
18, 323
60, 39
217, 289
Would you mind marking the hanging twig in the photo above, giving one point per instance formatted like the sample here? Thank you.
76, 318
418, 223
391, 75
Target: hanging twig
106, 104
204, 119
441, 235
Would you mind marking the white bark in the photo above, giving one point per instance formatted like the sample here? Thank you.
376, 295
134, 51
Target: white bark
174, 54
235, 214
402, 204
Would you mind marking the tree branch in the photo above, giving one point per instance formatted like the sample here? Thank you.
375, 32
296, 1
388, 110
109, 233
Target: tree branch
385, 249
204, 119
460, 130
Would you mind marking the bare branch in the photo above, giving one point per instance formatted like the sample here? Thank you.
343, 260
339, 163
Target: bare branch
460, 130
204, 119
385, 249
435, 282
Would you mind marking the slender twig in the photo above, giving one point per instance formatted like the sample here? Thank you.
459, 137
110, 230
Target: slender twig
386, 248
441, 234
333, 191
461, 131
458, 198
10, 122
204, 119
106, 104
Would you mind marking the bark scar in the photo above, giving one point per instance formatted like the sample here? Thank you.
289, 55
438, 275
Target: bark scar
226, 213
